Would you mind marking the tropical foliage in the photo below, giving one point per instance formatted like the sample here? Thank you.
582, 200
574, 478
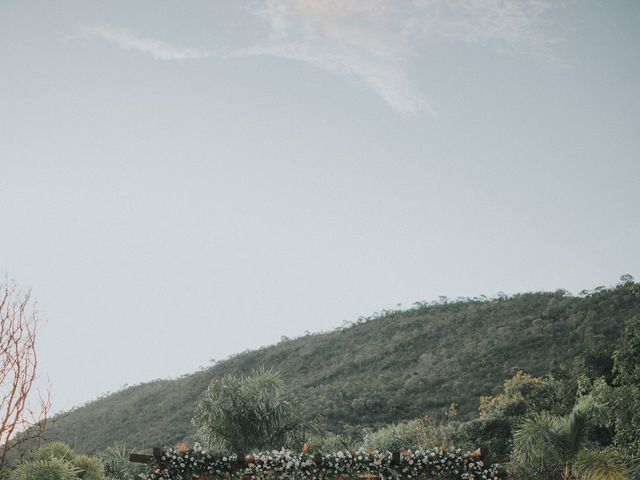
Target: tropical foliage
117, 465
245, 413
57, 461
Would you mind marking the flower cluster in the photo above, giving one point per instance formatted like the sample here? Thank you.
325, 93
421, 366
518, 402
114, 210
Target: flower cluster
188, 464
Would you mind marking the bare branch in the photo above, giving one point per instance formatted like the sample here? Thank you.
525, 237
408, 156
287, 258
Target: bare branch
18, 368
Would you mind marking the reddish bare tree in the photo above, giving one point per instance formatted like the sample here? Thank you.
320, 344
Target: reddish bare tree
18, 368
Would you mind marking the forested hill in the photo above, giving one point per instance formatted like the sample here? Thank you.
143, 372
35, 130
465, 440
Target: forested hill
394, 366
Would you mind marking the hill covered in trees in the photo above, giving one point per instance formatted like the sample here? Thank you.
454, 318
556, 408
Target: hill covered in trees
394, 366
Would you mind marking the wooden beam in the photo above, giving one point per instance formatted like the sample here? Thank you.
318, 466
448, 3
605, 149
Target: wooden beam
139, 458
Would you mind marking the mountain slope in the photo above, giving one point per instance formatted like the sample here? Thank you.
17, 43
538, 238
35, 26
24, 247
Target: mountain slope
395, 366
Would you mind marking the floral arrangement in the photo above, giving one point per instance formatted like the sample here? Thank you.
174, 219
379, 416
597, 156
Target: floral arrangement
186, 464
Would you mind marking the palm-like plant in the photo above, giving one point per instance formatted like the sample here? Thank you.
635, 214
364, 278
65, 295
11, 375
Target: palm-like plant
604, 464
536, 444
552, 444
249, 412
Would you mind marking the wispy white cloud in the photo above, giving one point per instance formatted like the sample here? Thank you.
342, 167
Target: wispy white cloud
374, 42
359, 39
371, 42
509, 25
130, 40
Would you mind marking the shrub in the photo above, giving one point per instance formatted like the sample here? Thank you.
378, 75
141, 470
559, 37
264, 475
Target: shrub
117, 465
604, 464
59, 450
395, 437
49, 469
89, 468
248, 413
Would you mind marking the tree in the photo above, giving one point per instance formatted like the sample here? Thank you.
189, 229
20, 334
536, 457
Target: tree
18, 368
546, 445
621, 400
251, 412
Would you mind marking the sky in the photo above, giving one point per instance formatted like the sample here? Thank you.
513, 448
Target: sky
182, 181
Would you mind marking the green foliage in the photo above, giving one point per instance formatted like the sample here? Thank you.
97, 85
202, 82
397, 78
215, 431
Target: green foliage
59, 450
392, 367
45, 469
549, 445
491, 433
626, 359
421, 433
251, 412
536, 445
117, 465
620, 401
89, 468
604, 464
520, 394
395, 437
329, 442
57, 461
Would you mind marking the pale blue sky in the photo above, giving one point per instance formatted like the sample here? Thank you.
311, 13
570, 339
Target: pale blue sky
181, 181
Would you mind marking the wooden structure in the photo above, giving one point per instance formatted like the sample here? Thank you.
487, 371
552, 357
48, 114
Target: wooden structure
242, 459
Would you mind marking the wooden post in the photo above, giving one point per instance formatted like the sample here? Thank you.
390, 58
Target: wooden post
140, 458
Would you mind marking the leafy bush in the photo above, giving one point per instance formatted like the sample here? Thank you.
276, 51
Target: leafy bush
493, 434
329, 443
395, 437
604, 464
49, 469
117, 465
89, 468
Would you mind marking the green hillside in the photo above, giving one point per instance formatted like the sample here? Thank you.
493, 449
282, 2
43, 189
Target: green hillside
390, 367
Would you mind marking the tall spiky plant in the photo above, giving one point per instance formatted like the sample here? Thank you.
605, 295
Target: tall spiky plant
552, 444
535, 444
249, 412
604, 464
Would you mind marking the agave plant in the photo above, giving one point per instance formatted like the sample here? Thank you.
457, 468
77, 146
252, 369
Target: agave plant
117, 465
52, 450
45, 469
89, 468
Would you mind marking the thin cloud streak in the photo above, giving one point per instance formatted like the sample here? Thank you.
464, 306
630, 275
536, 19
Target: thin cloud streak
370, 43
357, 39
373, 42
130, 40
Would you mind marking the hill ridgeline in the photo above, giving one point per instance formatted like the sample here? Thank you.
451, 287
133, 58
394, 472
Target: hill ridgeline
391, 367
